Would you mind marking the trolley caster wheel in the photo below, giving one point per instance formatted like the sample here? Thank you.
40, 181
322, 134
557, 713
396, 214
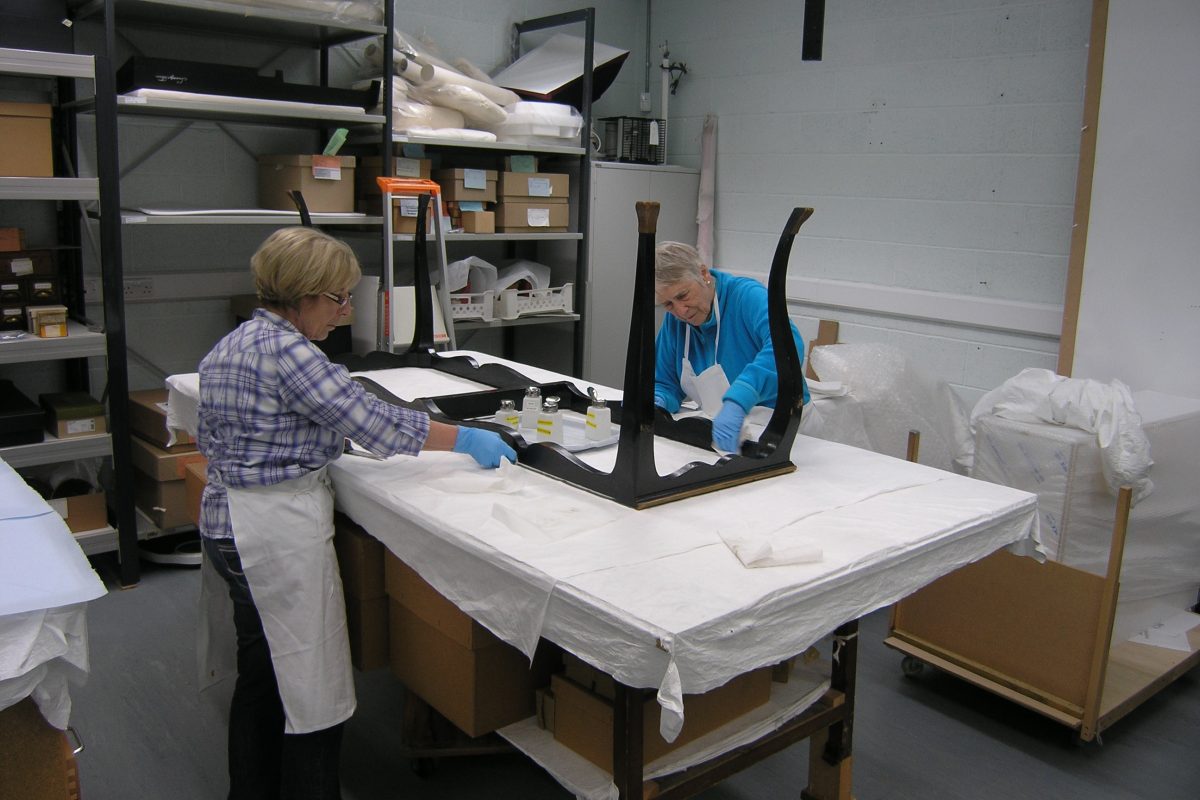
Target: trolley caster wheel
423, 767
911, 667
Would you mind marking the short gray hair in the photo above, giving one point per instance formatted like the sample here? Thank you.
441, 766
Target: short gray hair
675, 262
294, 263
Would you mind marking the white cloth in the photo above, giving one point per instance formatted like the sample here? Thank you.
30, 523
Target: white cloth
284, 536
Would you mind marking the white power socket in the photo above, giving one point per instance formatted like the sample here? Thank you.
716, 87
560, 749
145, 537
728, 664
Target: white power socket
139, 288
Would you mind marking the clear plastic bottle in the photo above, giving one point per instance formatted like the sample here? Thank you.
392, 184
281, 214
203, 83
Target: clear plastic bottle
599, 420
531, 406
549, 422
508, 415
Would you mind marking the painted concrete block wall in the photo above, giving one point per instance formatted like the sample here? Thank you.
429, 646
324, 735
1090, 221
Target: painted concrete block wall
201, 163
938, 144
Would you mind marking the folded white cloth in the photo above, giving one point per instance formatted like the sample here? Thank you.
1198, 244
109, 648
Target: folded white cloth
774, 549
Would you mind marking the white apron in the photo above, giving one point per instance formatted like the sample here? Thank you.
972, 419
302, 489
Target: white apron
709, 387
284, 537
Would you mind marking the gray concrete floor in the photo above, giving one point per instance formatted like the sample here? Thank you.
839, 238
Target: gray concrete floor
149, 734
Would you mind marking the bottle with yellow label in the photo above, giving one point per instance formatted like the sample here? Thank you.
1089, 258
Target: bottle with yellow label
549, 422
599, 420
508, 415
531, 407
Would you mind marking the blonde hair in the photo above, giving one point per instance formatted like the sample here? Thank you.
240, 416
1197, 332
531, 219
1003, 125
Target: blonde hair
675, 262
294, 263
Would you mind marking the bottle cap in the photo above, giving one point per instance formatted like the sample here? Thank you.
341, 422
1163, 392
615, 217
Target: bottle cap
550, 405
533, 391
508, 405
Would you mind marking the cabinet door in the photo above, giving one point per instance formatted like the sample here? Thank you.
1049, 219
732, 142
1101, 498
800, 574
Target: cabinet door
615, 191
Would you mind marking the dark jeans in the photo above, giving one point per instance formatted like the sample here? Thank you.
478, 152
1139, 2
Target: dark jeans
264, 762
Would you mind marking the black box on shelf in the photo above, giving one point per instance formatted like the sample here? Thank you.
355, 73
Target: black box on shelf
204, 78
21, 419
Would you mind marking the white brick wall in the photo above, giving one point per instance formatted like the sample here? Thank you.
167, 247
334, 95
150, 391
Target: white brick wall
936, 140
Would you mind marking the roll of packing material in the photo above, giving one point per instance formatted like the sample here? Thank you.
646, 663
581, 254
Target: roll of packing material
476, 108
498, 95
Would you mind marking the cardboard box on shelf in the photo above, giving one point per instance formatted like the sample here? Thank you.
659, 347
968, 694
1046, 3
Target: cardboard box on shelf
25, 133
404, 585
21, 419
366, 190
11, 240
26, 262
70, 414
524, 162
583, 719
467, 184
148, 419
164, 502
82, 512
479, 221
194, 481
404, 215
535, 187
540, 217
327, 182
48, 322
159, 464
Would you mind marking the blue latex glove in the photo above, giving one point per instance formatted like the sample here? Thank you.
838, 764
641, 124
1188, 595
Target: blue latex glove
486, 447
727, 427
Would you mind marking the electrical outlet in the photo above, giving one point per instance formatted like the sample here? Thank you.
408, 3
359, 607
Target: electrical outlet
139, 288
91, 290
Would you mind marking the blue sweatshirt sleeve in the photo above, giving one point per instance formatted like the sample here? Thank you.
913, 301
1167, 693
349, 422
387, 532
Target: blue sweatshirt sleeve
747, 323
668, 352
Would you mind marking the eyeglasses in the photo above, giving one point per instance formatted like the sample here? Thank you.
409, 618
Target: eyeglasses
341, 301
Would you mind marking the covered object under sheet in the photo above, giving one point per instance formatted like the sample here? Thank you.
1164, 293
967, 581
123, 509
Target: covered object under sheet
656, 598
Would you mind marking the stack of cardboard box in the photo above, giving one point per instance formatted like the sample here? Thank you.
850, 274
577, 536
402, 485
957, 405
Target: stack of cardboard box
470, 195
369, 197
158, 474
533, 202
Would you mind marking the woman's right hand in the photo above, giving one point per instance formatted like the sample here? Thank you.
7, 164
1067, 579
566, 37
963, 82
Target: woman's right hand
488, 448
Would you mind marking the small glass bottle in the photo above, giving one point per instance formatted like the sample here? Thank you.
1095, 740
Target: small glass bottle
599, 420
549, 422
531, 406
507, 415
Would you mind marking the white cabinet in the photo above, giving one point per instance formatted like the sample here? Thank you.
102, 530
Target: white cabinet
612, 262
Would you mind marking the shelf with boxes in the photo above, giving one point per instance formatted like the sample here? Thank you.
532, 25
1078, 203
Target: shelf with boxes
40, 302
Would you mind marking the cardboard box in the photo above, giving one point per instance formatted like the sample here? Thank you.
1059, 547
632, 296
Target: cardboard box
148, 419
39, 763
366, 190
540, 217
583, 720
164, 502
26, 262
360, 560
404, 216
405, 586
194, 481
25, 133
159, 464
82, 512
327, 182
479, 221
70, 414
479, 689
12, 239
467, 184
520, 163
534, 187
367, 623
48, 322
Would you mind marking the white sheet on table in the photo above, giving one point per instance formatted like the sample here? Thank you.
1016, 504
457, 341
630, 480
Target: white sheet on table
622, 594
39, 652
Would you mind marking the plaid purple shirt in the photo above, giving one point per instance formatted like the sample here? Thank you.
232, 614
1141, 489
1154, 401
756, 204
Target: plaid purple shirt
273, 407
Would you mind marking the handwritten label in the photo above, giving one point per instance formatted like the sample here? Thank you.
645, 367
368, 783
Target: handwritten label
538, 217
539, 187
21, 266
474, 179
327, 168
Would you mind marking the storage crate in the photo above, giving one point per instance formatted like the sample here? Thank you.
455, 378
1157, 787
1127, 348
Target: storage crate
513, 303
630, 139
473, 305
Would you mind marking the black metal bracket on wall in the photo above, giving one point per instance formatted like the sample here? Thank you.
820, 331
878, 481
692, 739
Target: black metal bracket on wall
634, 481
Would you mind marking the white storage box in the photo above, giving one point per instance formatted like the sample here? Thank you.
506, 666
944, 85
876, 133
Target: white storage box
473, 305
513, 303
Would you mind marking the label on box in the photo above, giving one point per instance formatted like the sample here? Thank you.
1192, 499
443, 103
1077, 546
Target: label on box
81, 426
11, 312
43, 287
10, 287
327, 168
21, 266
539, 187
408, 167
475, 179
538, 217
408, 206
522, 163
470, 205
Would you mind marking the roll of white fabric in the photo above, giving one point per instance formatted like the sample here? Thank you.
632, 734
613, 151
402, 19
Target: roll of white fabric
498, 95
478, 110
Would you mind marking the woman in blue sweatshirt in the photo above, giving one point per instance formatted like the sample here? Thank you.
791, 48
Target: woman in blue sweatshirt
715, 346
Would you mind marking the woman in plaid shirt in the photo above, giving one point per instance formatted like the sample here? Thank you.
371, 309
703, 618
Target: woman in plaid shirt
273, 412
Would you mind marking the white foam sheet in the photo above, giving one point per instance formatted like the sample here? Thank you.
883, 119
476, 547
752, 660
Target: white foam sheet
655, 598
45, 580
